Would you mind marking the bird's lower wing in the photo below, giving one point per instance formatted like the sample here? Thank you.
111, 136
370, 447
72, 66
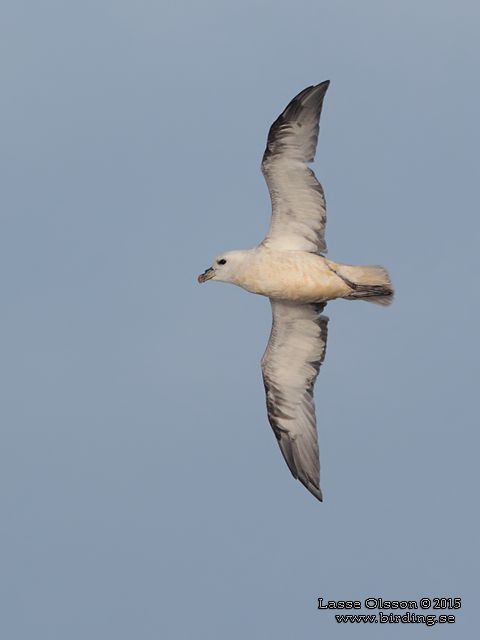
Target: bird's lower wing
290, 366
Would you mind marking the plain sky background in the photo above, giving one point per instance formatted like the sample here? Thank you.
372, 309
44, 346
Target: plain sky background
142, 491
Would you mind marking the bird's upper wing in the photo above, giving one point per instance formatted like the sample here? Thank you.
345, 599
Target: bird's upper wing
298, 203
290, 366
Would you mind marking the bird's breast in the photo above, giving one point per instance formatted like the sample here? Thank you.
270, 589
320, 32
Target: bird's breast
292, 275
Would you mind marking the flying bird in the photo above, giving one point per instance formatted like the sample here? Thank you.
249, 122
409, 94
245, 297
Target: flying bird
291, 269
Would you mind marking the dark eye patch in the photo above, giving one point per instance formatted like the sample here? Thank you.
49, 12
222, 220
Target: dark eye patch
222, 261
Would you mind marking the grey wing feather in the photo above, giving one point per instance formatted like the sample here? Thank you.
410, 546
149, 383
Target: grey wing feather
290, 366
298, 202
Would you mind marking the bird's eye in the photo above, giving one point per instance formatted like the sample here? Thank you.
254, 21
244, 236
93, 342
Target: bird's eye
222, 261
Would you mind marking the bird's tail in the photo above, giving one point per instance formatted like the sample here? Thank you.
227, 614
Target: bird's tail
370, 283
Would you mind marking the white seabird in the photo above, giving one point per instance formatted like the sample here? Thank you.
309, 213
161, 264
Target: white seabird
289, 267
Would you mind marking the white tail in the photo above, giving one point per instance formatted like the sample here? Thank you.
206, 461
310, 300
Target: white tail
370, 283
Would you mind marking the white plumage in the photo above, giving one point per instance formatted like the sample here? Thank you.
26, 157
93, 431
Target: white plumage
289, 268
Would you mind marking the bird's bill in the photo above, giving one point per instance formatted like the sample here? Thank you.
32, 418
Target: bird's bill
206, 275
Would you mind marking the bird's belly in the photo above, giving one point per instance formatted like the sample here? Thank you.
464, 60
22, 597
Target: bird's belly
299, 278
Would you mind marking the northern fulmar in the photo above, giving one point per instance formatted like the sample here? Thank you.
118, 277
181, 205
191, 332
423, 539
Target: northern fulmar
291, 269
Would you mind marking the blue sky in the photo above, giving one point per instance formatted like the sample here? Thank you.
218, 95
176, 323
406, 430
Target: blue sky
143, 494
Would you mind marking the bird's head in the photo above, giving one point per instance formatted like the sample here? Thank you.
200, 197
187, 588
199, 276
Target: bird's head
225, 267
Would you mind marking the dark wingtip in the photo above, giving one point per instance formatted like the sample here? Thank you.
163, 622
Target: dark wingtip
323, 86
314, 489
316, 92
